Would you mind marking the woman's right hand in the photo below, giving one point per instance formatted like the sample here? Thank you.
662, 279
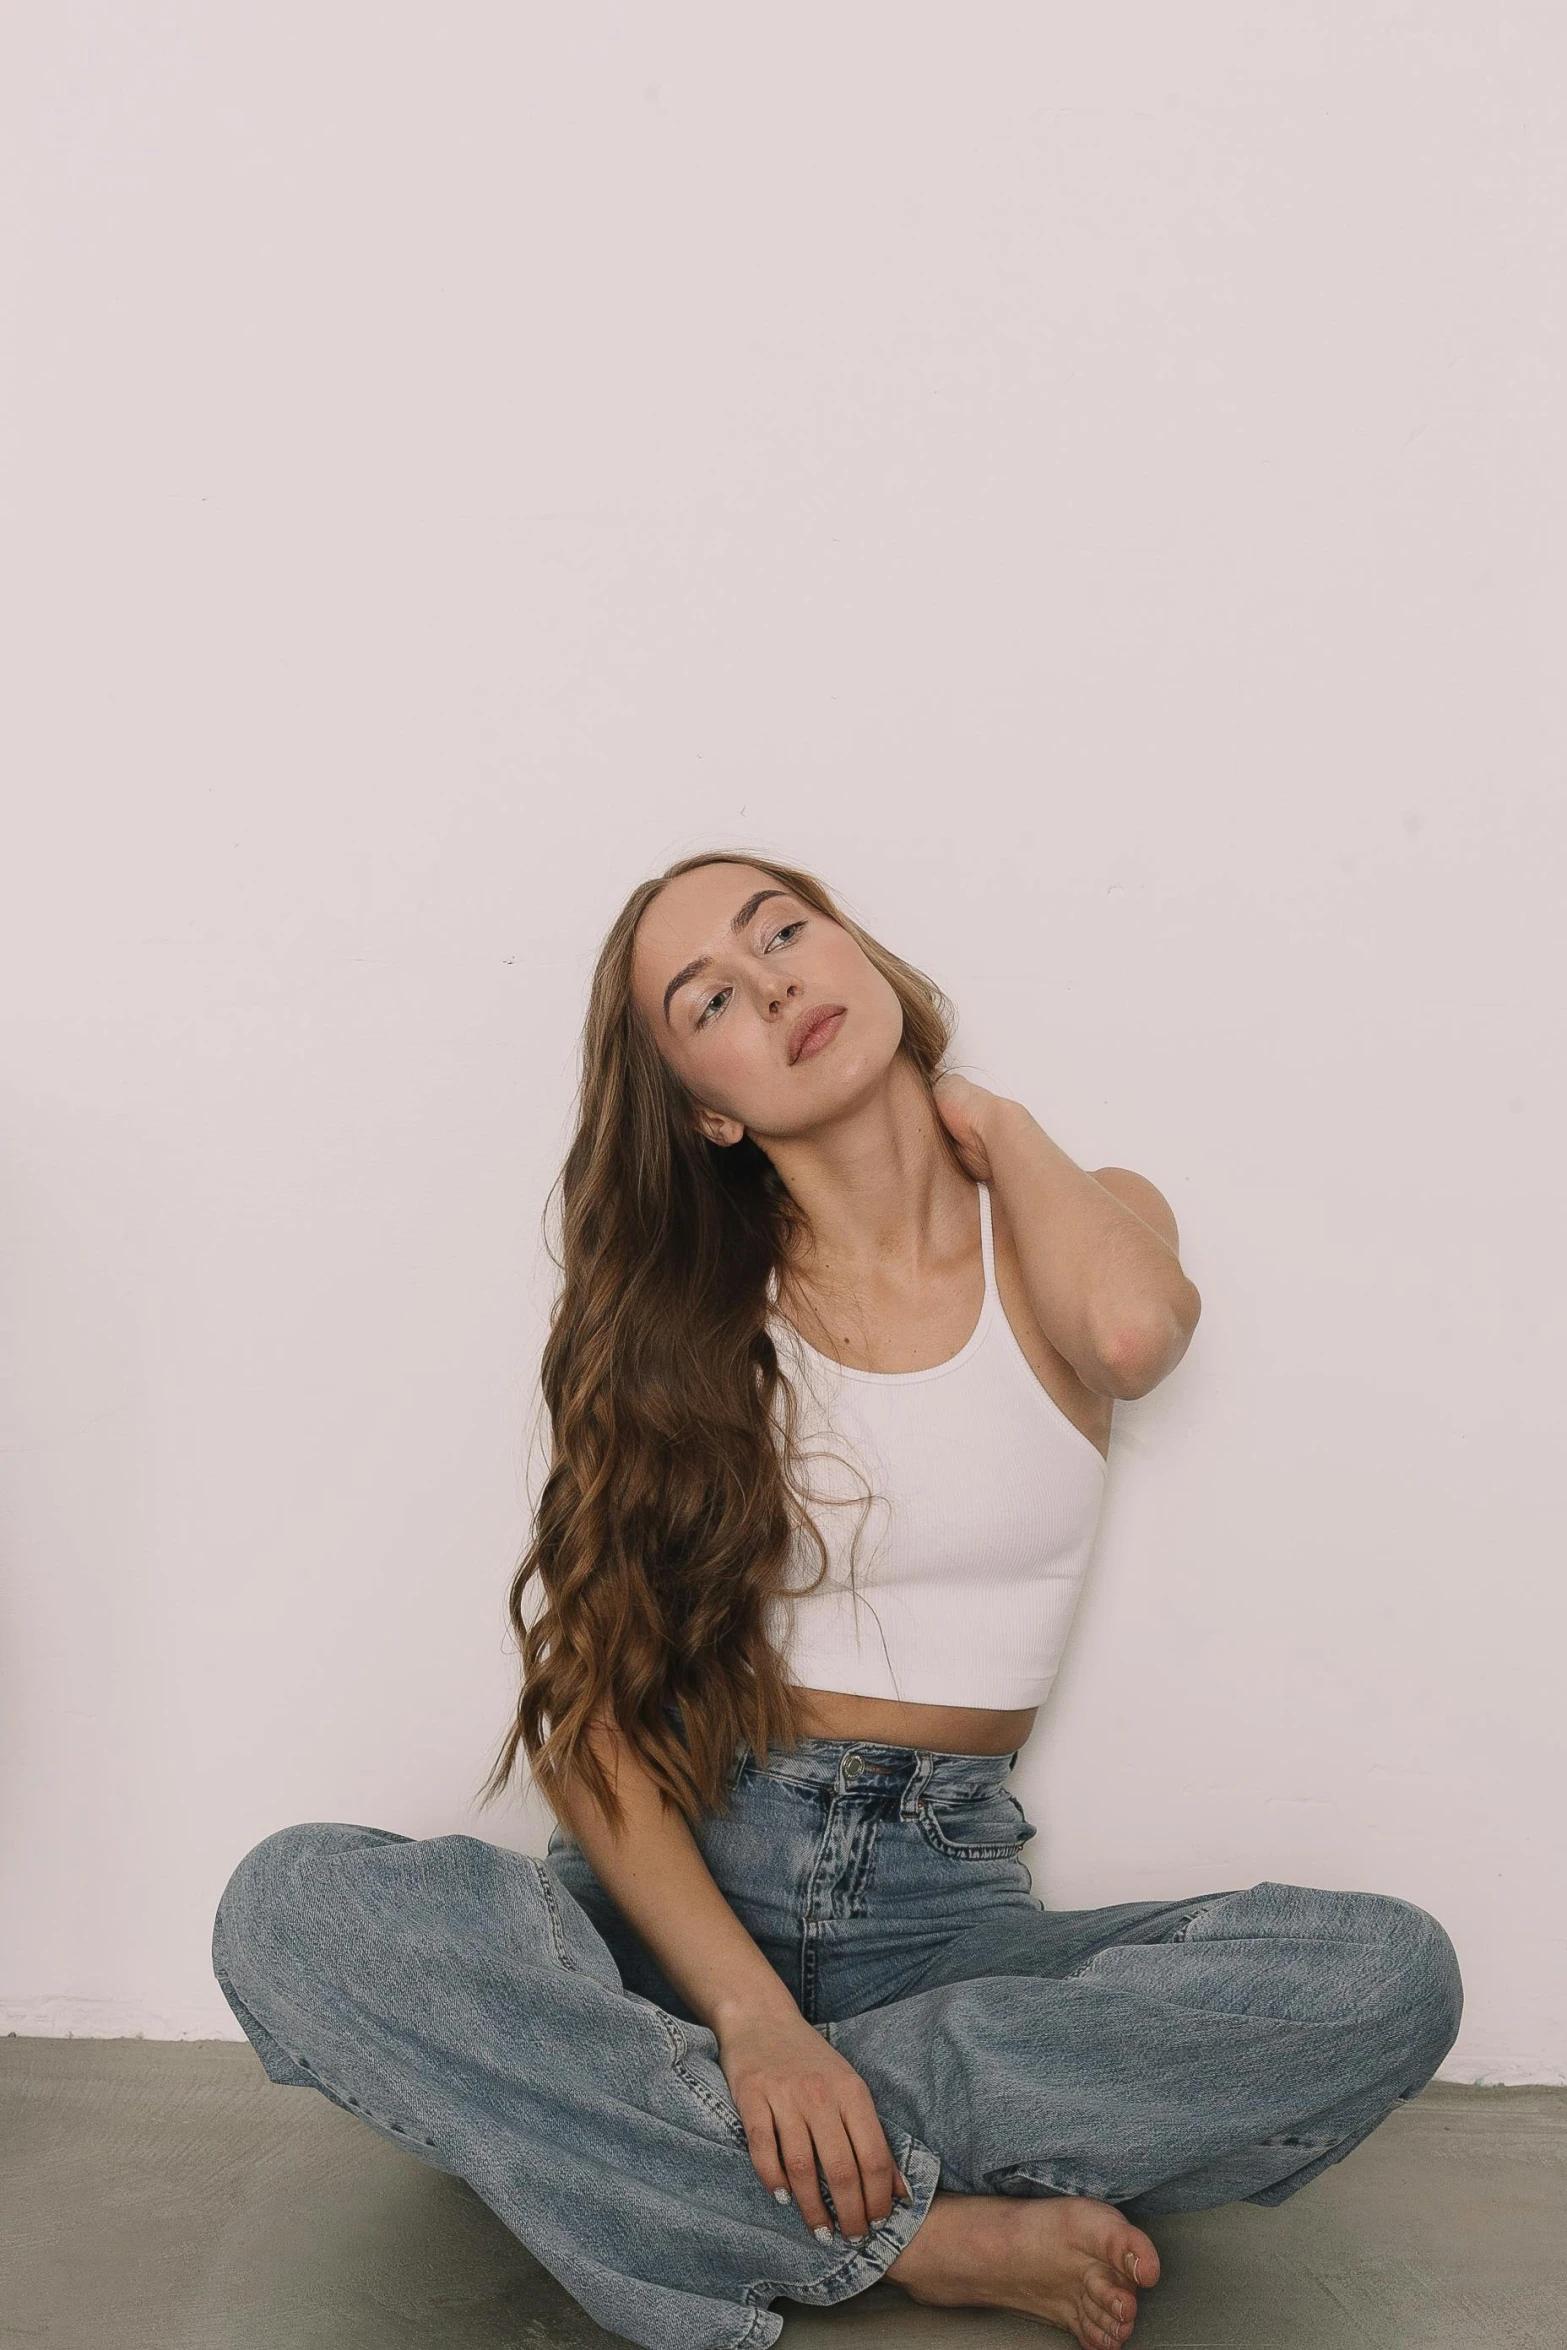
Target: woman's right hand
803, 2104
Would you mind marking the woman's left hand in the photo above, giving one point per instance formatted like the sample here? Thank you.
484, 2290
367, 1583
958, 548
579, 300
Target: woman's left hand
964, 1108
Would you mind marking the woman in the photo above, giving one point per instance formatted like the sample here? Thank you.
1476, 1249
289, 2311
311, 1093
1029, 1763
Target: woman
830, 1381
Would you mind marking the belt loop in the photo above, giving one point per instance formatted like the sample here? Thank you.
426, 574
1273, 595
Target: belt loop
914, 1785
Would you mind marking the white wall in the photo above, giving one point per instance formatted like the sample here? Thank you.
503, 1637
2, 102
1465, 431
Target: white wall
1090, 485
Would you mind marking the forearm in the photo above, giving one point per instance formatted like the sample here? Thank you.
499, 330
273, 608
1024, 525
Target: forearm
654, 1872
1107, 1288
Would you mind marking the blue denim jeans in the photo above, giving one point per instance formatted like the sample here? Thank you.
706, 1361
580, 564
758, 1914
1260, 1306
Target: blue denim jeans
495, 2015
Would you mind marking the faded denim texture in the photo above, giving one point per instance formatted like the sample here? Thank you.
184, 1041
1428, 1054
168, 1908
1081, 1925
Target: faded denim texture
496, 2016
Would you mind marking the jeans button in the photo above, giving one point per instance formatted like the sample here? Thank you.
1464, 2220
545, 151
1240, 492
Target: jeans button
852, 1766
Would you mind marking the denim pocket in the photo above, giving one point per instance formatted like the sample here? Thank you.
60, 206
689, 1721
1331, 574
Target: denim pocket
989, 1826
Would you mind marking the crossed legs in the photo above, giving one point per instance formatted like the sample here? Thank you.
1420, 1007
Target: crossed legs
453, 1996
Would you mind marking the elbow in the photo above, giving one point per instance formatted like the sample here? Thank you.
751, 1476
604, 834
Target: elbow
1141, 1353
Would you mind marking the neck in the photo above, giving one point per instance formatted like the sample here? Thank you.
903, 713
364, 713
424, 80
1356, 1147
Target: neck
880, 1186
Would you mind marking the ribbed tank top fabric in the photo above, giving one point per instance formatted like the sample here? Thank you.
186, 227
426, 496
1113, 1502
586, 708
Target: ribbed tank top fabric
973, 1552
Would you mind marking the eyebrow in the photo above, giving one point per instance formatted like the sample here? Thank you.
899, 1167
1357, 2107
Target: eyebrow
737, 923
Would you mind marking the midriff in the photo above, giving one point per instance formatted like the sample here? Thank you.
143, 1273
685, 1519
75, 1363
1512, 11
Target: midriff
948, 1729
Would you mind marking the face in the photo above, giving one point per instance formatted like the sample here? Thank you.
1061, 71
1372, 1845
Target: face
725, 963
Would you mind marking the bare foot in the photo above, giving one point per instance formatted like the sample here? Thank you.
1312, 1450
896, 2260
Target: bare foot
1065, 2258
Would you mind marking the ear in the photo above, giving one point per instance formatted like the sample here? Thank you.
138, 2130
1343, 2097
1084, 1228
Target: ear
714, 1127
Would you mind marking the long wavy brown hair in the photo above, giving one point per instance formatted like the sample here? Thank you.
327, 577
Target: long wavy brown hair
668, 1513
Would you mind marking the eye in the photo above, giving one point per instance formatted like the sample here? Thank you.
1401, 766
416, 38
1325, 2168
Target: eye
707, 1012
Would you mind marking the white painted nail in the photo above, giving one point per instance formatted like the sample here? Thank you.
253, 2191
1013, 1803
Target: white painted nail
782, 2195
823, 2235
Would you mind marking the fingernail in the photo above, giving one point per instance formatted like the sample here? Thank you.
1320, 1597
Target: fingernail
1131, 2268
823, 2235
782, 2195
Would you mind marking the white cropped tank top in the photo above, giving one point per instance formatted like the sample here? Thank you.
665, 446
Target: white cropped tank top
972, 1554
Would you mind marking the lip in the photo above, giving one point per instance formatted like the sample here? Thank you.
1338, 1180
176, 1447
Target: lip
810, 1024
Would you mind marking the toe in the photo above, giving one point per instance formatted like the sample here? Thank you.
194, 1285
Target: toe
1110, 2303
1101, 2231
1134, 2256
1107, 2310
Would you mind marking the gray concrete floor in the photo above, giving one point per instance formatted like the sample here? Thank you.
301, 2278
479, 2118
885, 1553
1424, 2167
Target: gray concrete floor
164, 2195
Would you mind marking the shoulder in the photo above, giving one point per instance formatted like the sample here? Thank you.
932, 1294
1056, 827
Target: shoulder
1142, 1197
